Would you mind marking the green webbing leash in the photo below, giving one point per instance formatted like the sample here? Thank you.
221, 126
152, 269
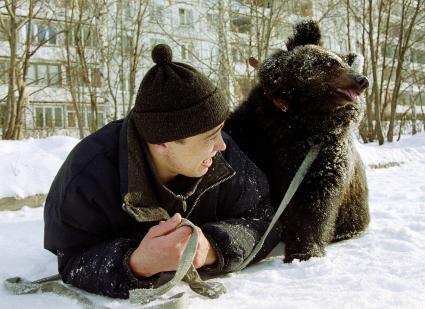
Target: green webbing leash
185, 270
293, 186
19, 286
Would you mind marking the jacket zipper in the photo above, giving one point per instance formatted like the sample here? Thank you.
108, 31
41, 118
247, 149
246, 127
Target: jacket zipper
206, 189
183, 199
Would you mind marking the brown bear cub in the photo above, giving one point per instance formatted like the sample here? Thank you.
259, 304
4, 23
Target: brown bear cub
307, 95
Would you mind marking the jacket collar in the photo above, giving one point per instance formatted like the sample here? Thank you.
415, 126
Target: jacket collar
143, 204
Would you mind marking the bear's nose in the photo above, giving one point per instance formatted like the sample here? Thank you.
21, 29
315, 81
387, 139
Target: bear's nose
362, 81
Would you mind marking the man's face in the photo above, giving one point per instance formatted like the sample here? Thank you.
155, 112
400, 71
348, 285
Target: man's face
193, 156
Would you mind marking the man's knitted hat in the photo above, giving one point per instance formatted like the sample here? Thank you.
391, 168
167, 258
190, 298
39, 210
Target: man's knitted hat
176, 101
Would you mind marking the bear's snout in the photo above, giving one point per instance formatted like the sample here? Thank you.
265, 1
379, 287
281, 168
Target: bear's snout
350, 85
361, 81
355, 81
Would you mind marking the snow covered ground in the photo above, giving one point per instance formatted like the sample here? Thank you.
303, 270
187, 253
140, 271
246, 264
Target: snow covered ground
28, 167
384, 268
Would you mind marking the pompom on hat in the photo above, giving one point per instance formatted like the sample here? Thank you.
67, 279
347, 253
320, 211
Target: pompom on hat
176, 101
162, 54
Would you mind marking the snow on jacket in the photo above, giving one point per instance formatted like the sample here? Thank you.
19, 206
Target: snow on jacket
93, 231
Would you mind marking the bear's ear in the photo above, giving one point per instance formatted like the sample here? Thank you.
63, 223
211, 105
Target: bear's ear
281, 104
305, 33
253, 62
349, 58
354, 60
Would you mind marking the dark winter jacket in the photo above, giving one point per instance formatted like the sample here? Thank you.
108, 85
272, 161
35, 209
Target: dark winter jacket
93, 231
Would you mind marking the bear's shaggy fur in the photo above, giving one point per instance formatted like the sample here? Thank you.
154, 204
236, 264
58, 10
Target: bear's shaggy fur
307, 95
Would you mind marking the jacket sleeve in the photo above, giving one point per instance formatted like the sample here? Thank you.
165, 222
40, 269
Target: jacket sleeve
102, 269
89, 256
244, 214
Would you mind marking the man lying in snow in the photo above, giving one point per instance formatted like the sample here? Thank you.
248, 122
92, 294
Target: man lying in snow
113, 208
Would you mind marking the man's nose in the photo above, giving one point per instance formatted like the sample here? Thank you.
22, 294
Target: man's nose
220, 145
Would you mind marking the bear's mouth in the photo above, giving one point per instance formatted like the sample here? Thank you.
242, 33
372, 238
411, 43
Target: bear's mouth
348, 94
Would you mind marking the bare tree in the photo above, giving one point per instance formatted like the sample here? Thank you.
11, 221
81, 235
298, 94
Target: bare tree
412, 14
254, 29
82, 54
387, 28
14, 16
122, 55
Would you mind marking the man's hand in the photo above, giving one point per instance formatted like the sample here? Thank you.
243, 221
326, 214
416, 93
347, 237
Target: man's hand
205, 254
162, 247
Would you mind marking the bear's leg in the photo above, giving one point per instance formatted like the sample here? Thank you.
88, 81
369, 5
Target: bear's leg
309, 221
353, 217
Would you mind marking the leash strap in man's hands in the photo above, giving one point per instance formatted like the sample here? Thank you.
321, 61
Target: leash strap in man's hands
185, 271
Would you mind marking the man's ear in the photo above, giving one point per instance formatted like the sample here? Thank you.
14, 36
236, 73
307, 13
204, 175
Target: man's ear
253, 62
161, 149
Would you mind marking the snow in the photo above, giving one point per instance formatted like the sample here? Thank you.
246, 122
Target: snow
29, 166
384, 268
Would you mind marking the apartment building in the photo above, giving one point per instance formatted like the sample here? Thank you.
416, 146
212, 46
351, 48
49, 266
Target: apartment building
86, 71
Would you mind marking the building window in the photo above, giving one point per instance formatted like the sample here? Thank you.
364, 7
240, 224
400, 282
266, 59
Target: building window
2, 114
122, 80
126, 9
71, 120
58, 117
39, 117
185, 17
417, 56
212, 20
304, 8
3, 30
48, 117
127, 44
83, 35
156, 14
241, 24
54, 74
387, 72
237, 55
4, 72
187, 51
76, 76
48, 112
95, 77
390, 51
100, 119
86, 117
43, 33
81, 79
73, 4
44, 74
184, 52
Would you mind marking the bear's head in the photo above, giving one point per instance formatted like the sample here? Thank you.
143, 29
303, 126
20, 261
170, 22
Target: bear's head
310, 80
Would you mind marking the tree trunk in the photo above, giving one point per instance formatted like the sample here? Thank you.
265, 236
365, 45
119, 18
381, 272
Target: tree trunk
404, 39
223, 53
375, 90
11, 111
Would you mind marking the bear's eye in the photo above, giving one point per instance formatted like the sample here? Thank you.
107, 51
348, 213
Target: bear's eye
333, 63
